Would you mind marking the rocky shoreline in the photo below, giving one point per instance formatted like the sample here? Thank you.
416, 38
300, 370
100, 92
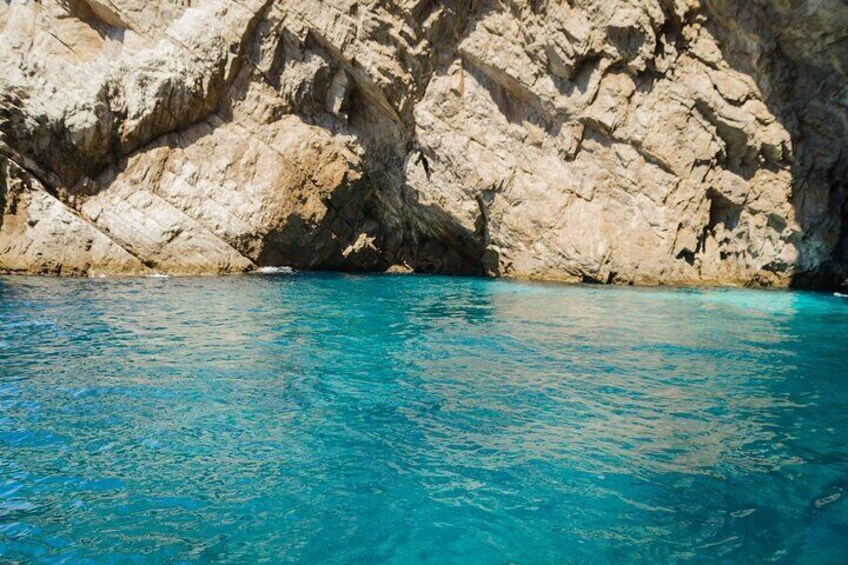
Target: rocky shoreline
623, 142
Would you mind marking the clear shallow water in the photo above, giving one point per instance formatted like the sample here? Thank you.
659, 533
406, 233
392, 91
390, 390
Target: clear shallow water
378, 419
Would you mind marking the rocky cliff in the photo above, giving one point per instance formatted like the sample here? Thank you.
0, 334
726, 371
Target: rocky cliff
625, 141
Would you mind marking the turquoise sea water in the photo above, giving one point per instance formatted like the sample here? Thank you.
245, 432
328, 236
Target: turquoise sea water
379, 419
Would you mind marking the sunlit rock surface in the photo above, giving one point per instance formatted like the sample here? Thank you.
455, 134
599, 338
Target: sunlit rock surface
642, 141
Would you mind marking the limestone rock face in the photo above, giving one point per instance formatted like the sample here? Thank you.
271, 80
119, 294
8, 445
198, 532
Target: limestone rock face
624, 141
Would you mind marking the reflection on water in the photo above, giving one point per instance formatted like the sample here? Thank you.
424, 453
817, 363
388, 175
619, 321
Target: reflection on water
333, 418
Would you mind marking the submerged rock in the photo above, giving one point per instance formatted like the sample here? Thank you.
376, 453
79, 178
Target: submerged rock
626, 141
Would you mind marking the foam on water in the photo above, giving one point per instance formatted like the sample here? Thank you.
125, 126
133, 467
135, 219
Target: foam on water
275, 270
346, 419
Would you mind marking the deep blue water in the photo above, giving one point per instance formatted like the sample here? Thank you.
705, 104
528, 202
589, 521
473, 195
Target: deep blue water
380, 419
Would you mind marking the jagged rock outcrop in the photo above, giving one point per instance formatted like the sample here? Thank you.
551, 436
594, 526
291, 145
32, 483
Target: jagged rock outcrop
627, 141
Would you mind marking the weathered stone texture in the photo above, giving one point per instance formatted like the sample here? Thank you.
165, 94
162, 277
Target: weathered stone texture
626, 141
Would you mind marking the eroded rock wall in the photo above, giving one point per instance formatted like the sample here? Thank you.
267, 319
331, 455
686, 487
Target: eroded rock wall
643, 141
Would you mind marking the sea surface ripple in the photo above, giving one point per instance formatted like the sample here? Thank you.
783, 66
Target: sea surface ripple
328, 418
